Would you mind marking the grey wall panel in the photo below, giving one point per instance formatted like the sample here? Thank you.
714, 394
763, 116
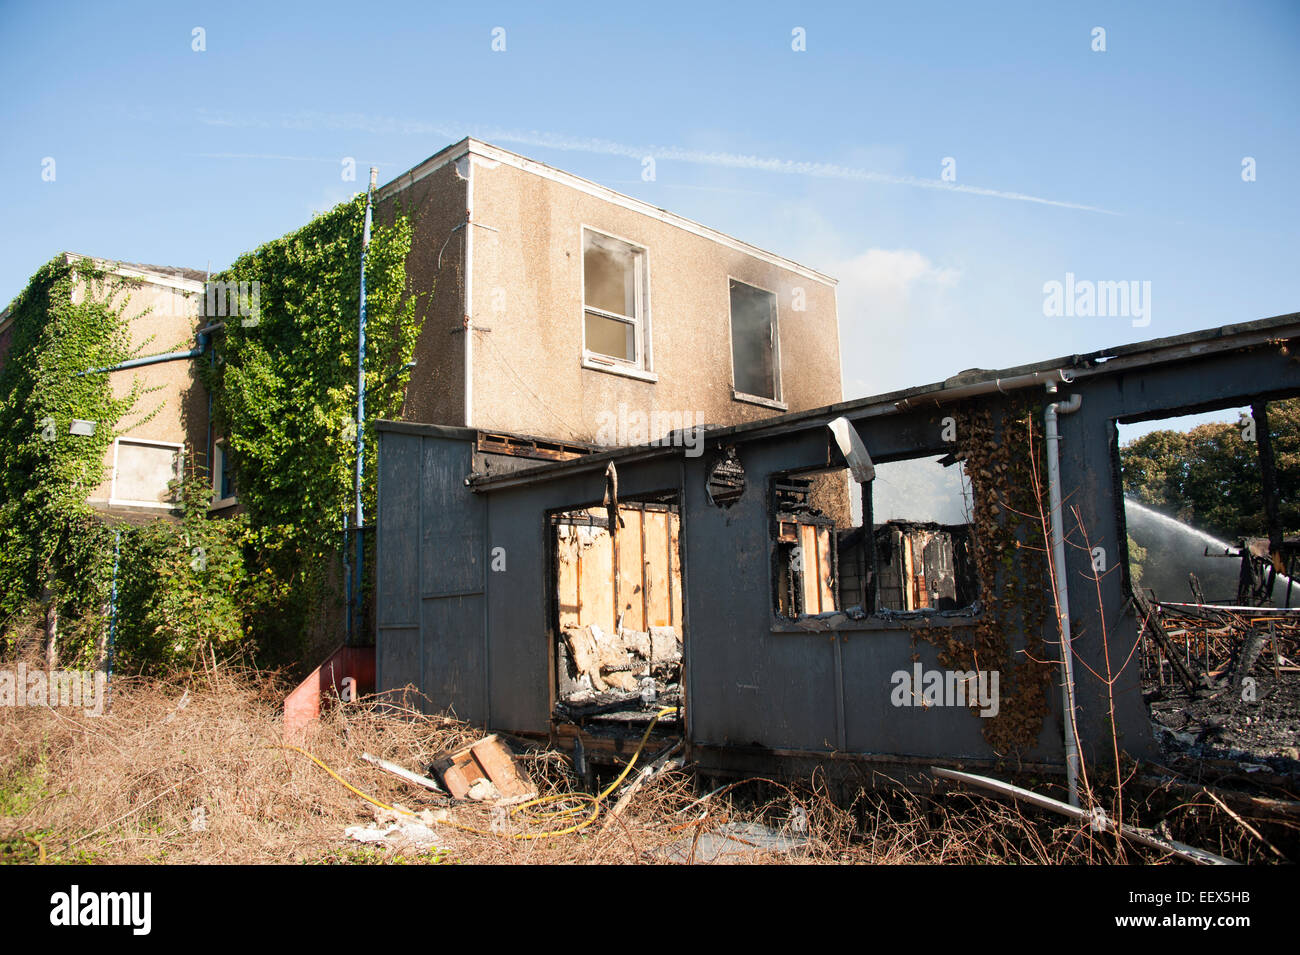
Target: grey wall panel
430, 543
452, 675
397, 560
451, 520
875, 725
518, 652
748, 685
397, 659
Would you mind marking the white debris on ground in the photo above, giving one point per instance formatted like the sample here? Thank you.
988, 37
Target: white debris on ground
400, 830
734, 842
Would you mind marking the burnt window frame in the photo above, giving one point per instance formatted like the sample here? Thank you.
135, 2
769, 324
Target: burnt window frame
875, 618
668, 497
779, 556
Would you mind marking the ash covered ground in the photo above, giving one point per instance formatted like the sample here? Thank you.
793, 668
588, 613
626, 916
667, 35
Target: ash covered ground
1219, 724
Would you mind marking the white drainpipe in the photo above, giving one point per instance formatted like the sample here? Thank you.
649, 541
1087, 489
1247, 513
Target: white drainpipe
1062, 586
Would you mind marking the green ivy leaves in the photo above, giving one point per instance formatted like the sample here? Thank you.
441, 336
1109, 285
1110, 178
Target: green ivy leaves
285, 393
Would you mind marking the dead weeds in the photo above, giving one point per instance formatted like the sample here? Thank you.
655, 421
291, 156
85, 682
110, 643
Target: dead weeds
193, 770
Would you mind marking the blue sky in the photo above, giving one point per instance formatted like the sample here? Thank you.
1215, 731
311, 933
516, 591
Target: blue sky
1122, 165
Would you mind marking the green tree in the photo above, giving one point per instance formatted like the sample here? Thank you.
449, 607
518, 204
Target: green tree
1209, 477
1137, 557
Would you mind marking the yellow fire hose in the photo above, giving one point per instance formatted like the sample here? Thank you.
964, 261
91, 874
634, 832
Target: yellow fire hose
586, 803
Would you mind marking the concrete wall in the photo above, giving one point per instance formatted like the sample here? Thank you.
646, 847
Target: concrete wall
436, 205
527, 310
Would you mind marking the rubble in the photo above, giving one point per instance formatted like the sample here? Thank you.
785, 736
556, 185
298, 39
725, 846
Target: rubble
734, 842
399, 836
621, 661
1222, 682
485, 771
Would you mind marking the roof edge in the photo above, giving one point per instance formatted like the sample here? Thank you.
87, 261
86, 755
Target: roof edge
475, 147
1158, 350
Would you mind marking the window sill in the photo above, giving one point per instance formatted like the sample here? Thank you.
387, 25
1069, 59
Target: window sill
223, 503
621, 370
898, 622
119, 504
757, 400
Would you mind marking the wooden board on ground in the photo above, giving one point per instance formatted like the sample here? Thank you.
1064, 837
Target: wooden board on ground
487, 759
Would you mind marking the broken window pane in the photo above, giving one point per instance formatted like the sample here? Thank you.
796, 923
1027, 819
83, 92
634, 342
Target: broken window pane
753, 341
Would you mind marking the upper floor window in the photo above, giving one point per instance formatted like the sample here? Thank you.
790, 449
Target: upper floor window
755, 350
615, 316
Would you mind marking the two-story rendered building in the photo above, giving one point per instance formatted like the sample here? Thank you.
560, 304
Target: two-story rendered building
562, 307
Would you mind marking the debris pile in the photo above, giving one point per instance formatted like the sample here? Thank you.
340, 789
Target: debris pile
622, 660
1222, 682
485, 771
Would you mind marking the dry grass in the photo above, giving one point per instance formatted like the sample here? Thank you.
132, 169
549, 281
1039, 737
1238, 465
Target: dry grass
127, 787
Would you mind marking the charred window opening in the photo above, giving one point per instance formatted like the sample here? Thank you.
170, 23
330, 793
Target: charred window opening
1197, 525
618, 597
755, 349
922, 537
900, 543
726, 480
1210, 544
805, 553
806, 510
925, 566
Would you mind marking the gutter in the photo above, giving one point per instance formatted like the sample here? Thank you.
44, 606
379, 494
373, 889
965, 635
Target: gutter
1000, 385
1149, 354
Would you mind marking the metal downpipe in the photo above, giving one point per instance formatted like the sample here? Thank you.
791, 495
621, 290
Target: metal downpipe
358, 570
1053, 436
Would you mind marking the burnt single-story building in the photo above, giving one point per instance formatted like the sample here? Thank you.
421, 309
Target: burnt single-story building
559, 592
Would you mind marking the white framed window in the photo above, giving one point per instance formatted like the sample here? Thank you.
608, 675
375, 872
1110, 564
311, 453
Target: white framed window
755, 345
615, 305
143, 471
223, 480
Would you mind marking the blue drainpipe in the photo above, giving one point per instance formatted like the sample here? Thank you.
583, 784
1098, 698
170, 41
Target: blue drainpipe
359, 523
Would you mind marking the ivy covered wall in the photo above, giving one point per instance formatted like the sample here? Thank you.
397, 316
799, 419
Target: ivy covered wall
284, 393
283, 388
53, 554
